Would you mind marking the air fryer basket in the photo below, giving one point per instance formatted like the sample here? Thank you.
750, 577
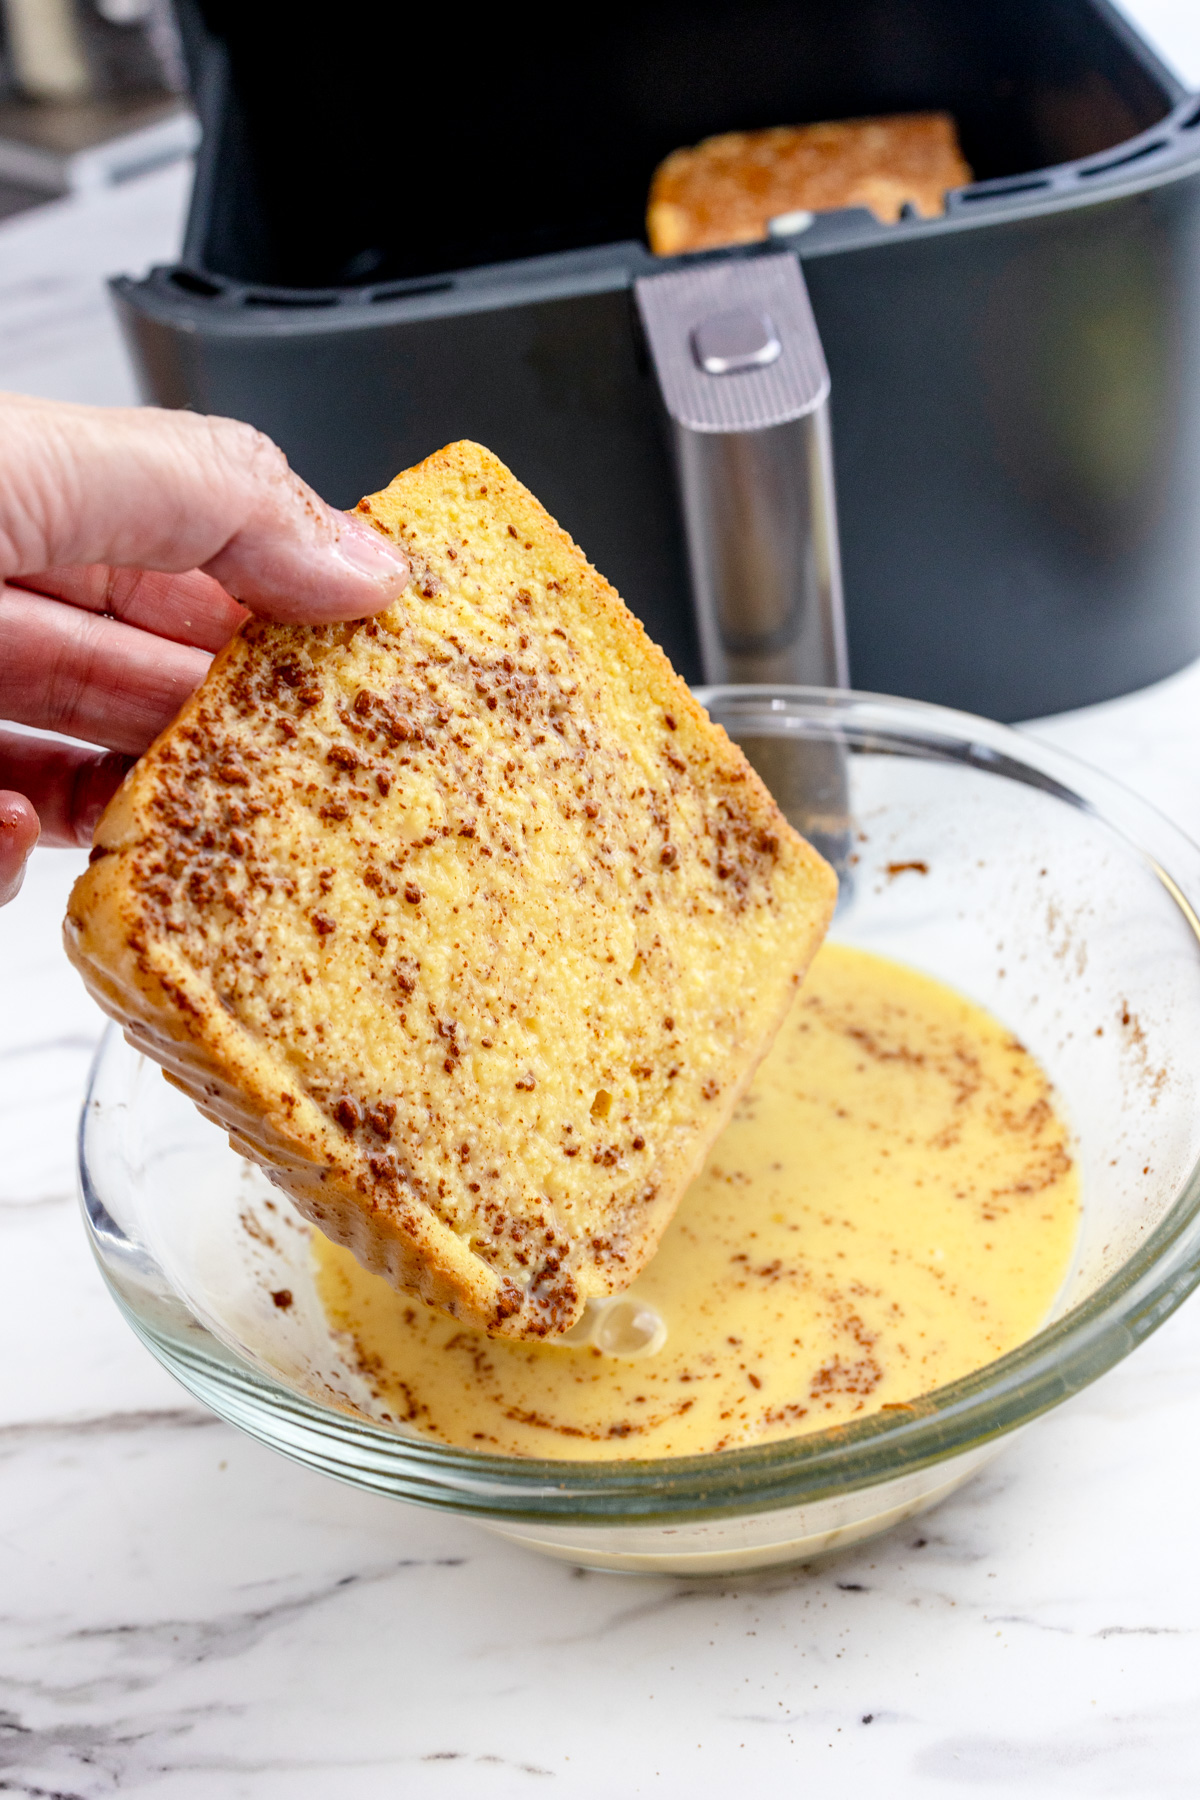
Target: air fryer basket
422, 230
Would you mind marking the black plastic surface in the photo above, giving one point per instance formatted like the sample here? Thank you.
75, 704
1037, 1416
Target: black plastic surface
1017, 432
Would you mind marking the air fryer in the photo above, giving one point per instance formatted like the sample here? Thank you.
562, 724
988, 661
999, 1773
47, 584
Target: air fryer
408, 229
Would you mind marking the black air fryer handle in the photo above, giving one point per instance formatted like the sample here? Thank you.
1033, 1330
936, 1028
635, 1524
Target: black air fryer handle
744, 382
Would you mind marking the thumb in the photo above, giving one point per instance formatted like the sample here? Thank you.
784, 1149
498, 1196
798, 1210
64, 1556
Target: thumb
136, 487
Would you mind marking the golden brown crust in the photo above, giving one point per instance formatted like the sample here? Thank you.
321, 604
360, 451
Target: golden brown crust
465, 922
725, 190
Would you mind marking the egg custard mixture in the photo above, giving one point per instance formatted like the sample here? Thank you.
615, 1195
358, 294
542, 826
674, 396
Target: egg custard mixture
893, 1204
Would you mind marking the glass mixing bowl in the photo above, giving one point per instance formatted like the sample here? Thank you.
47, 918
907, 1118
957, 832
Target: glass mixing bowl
1034, 885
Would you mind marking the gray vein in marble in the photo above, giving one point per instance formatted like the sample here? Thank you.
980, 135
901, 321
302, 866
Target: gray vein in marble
220, 1637
14, 1437
503, 1762
678, 1595
40, 1793
1035, 1624
1110, 1759
156, 1646
71, 1040
32, 1747
1106, 1631
128, 1757
1111, 1631
11, 1204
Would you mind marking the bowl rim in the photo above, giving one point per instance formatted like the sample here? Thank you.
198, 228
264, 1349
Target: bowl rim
950, 1421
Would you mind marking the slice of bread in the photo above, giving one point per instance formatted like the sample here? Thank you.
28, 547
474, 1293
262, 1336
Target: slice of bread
465, 921
727, 189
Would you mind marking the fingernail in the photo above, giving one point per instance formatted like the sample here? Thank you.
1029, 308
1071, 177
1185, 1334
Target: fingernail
367, 552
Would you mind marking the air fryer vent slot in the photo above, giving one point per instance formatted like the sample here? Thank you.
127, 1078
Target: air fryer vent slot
406, 290
200, 285
1120, 162
1001, 191
290, 299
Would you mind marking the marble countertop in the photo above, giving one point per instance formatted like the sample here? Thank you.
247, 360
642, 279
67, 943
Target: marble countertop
185, 1616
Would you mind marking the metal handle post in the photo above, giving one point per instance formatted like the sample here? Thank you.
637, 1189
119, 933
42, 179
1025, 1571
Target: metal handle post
745, 385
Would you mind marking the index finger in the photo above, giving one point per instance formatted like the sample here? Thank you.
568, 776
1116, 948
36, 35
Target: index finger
136, 487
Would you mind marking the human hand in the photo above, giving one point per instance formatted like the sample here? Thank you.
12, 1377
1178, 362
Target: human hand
128, 538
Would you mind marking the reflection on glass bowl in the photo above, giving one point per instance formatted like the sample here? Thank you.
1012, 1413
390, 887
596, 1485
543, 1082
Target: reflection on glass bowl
1046, 893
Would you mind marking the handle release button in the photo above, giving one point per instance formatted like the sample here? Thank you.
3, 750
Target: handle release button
728, 342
